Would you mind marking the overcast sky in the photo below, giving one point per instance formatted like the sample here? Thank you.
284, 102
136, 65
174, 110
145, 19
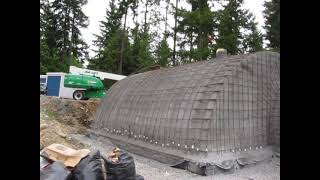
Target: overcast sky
96, 11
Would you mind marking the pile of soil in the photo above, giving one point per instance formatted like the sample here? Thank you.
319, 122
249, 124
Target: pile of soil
61, 117
69, 111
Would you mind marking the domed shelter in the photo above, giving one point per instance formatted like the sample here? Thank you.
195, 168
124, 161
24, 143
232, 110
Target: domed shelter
223, 111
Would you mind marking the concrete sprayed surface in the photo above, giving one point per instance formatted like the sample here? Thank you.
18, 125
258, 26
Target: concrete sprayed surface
153, 170
209, 106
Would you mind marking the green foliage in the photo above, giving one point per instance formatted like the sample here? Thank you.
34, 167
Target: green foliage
71, 18
200, 31
112, 52
254, 41
110, 41
231, 19
197, 25
61, 44
163, 53
145, 58
272, 23
134, 50
75, 62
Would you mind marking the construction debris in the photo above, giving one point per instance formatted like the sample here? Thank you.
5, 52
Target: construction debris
61, 162
70, 157
91, 167
55, 171
114, 155
120, 165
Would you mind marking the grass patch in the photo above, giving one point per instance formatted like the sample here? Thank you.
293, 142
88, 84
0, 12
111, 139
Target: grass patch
49, 113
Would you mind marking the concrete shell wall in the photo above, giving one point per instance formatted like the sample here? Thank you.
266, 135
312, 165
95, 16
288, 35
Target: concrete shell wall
216, 105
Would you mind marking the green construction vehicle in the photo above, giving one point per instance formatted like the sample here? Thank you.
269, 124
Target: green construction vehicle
78, 84
88, 86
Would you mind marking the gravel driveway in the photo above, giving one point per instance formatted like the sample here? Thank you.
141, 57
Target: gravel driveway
153, 170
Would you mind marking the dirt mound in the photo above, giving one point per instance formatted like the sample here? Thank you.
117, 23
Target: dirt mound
61, 117
70, 112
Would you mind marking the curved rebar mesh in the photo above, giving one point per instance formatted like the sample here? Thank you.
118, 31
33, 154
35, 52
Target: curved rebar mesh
216, 105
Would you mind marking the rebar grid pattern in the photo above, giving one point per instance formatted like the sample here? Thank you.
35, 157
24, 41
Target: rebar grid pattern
219, 105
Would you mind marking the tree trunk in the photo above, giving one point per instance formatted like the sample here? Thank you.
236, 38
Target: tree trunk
166, 25
145, 16
122, 43
191, 46
73, 39
175, 35
66, 29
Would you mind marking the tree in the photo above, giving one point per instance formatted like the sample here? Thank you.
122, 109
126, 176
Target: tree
49, 36
123, 9
135, 48
145, 58
70, 18
108, 28
114, 52
61, 44
175, 34
143, 37
163, 53
253, 42
197, 26
231, 20
272, 23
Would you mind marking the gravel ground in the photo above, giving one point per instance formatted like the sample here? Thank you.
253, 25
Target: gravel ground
153, 170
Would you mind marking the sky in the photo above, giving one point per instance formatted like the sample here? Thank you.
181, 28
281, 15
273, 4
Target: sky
96, 11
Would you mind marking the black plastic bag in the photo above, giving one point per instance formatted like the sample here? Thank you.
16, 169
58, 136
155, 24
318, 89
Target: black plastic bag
55, 171
90, 168
123, 170
44, 162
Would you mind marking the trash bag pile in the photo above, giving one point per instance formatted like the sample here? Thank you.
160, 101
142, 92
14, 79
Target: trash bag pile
58, 162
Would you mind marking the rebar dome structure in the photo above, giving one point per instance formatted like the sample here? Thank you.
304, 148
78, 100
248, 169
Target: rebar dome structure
202, 111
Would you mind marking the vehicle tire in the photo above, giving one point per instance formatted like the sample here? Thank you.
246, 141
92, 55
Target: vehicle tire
78, 95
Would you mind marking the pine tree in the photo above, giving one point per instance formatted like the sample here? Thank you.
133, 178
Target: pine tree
114, 49
49, 51
197, 25
205, 27
143, 38
110, 25
253, 42
163, 53
112, 53
231, 19
175, 33
272, 23
134, 53
109, 28
70, 18
123, 10
145, 58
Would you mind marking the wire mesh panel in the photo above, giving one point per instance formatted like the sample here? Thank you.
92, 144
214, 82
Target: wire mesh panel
229, 104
